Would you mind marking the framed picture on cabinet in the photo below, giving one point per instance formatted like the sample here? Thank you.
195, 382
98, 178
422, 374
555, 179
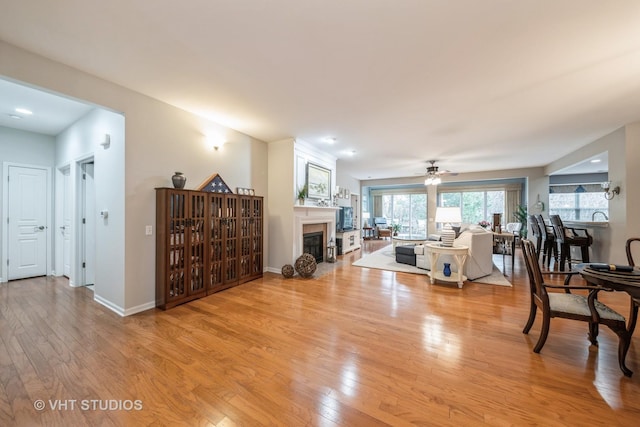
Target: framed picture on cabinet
318, 182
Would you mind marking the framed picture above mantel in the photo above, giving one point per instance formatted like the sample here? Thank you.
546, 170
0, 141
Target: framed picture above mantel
318, 182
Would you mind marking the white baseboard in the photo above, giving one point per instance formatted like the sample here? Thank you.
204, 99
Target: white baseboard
273, 270
122, 312
111, 306
140, 308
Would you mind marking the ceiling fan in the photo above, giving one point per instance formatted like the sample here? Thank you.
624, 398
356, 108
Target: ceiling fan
433, 175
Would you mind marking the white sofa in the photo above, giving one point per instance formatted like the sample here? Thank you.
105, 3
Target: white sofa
480, 260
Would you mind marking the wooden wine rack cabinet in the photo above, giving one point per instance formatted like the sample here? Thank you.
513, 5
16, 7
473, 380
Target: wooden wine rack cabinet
205, 242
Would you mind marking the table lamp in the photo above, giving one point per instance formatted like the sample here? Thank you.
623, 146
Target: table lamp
366, 216
447, 216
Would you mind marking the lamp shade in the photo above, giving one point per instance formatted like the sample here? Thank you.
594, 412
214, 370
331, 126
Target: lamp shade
448, 215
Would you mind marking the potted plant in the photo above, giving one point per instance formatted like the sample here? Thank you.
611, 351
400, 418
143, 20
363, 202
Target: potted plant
302, 194
396, 229
521, 217
484, 224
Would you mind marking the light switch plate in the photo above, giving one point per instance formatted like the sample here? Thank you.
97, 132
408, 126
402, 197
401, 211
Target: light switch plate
148, 230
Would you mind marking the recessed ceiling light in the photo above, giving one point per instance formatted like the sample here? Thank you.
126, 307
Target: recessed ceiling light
14, 116
24, 111
596, 161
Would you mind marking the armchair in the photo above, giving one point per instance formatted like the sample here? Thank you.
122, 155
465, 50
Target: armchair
381, 227
566, 304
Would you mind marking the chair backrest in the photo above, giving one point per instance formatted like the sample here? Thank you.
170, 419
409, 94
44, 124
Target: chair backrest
541, 225
558, 227
535, 228
533, 269
514, 227
628, 249
380, 221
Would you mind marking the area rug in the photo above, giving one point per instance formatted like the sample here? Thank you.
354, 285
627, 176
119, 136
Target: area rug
385, 259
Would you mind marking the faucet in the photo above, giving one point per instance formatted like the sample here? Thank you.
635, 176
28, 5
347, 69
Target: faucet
593, 215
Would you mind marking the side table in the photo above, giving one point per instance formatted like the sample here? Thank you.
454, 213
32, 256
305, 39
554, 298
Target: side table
367, 233
459, 253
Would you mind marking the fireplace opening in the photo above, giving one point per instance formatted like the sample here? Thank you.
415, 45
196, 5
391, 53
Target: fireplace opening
312, 244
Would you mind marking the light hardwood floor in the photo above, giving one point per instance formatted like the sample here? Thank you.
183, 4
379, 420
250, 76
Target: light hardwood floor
354, 347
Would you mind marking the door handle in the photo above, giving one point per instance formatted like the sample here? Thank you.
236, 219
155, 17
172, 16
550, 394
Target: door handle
63, 228
40, 228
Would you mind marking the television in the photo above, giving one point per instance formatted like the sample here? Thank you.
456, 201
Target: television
344, 218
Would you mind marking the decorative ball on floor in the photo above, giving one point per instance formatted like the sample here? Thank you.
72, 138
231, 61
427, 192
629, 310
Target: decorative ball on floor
287, 271
306, 265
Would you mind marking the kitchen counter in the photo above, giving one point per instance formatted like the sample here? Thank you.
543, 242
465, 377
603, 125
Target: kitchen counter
586, 224
601, 234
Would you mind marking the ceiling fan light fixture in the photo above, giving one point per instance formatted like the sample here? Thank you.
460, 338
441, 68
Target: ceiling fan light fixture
432, 175
432, 180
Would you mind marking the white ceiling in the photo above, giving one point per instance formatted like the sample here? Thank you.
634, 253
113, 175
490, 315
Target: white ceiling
51, 113
478, 85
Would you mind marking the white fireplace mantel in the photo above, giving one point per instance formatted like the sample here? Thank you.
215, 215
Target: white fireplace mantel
312, 215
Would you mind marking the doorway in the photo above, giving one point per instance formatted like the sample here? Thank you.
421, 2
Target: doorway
87, 223
66, 227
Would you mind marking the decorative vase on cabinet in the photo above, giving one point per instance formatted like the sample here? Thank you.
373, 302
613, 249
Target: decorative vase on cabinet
179, 180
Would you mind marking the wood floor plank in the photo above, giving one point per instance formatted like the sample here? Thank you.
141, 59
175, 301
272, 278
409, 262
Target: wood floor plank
353, 347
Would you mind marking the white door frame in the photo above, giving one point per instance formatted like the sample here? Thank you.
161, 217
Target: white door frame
89, 213
5, 214
59, 215
78, 236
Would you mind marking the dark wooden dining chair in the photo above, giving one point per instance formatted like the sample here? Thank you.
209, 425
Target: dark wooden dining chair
635, 302
537, 234
566, 237
568, 305
628, 246
549, 247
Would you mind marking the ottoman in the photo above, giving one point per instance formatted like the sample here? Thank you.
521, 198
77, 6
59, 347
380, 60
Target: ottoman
406, 255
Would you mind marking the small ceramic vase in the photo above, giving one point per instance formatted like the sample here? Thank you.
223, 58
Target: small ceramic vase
447, 269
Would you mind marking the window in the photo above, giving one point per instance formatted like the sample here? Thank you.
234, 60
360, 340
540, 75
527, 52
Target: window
476, 206
583, 202
408, 210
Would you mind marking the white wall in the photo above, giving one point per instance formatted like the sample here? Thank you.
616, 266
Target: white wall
609, 242
344, 180
159, 140
77, 143
17, 146
629, 186
287, 173
281, 200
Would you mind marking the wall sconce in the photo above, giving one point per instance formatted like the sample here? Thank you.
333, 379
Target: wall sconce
215, 142
106, 141
609, 193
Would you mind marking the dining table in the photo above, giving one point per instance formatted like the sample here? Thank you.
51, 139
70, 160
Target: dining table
613, 278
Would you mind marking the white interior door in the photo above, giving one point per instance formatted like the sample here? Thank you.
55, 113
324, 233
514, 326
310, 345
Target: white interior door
67, 205
89, 220
27, 222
